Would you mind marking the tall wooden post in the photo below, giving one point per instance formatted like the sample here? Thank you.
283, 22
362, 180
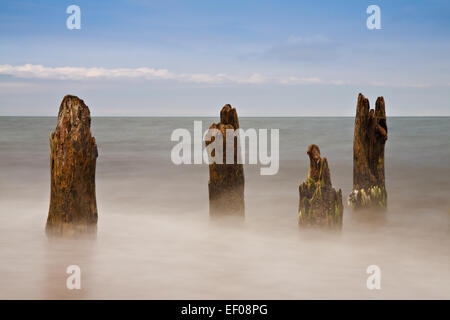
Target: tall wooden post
73, 155
226, 180
369, 189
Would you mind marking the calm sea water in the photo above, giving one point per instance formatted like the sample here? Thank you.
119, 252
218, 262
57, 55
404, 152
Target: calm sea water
155, 239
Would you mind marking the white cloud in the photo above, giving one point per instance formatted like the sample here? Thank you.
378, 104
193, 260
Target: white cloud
30, 71
297, 80
79, 73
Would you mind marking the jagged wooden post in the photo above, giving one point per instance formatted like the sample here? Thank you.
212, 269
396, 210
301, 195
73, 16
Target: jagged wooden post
226, 180
73, 155
369, 189
320, 204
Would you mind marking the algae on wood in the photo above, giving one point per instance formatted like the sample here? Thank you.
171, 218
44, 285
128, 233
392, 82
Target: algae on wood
369, 189
320, 204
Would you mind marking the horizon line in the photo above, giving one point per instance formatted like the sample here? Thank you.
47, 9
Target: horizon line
218, 116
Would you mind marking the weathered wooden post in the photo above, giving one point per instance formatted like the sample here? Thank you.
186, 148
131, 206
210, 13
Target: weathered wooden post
73, 155
369, 190
320, 204
226, 180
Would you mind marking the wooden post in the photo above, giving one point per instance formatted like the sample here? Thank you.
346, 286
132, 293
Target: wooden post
320, 204
369, 189
226, 180
73, 155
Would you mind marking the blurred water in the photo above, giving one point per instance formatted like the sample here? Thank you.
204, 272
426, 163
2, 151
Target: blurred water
155, 239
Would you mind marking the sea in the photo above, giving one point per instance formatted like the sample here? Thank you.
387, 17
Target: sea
156, 240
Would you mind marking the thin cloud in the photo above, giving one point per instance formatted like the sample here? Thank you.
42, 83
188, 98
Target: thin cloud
16, 85
400, 85
298, 80
30, 71
316, 48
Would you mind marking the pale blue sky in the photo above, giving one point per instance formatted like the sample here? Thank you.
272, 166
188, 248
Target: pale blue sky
267, 58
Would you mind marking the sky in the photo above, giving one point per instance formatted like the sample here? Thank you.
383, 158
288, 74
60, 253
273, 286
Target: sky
189, 58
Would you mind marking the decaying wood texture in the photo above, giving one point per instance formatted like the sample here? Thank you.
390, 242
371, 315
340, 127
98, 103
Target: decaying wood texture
73, 155
226, 180
369, 189
320, 204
